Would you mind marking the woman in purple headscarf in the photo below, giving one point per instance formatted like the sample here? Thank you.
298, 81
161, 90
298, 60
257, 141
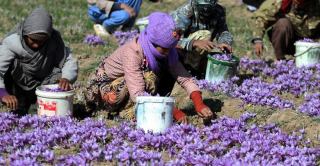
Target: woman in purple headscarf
136, 68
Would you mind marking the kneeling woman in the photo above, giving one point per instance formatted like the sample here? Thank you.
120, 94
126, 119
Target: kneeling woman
134, 69
31, 55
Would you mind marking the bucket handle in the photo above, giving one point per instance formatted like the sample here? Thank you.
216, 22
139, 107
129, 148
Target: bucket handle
296, 55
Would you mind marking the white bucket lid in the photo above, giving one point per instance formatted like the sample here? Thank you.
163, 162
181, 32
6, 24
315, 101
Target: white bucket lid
154, 99
42, 92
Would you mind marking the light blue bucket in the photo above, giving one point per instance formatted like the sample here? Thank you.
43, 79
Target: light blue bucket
154, 113
307, 53
218, 70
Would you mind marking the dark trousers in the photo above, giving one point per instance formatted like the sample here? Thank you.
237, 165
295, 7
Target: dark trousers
282, 36
25, 98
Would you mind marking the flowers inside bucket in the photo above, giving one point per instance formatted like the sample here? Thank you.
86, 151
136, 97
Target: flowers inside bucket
221, 67
307, 53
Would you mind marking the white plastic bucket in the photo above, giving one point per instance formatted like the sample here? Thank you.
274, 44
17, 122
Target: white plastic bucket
141, 23
54, 103
154, 113
307, 53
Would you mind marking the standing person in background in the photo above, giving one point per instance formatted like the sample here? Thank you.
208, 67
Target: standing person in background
136, 68
112, 14
201, 22
289, 20
31, 55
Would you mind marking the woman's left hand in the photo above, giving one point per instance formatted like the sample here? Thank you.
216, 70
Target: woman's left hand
64, 84
205, 113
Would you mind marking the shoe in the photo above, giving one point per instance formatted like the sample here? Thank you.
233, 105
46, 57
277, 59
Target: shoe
251, 8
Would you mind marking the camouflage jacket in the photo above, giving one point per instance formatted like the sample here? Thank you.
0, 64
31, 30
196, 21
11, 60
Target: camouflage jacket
306, 23
185, 20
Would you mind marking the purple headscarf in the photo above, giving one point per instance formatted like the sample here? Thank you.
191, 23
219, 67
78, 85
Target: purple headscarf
160, 32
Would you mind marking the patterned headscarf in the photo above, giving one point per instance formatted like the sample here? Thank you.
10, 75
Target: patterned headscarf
160, 31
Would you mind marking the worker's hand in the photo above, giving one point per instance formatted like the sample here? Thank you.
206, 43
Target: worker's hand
128, 9
179, 116
10, 101
64, 84
205, 113
258, 48
203, 45
225, 47
183, 120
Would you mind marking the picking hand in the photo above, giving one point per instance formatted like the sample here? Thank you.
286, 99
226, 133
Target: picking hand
258, 48
10, 101
205, 113
179, 116
203, 45
64, 84
225, 47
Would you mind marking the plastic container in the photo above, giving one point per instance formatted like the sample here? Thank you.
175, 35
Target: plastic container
54, 103
141, 23
154, 113
218, 70
307, 53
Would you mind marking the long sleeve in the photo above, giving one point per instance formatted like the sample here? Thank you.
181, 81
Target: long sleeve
265, 16
184, 78
70, 67
133, 74
6, 57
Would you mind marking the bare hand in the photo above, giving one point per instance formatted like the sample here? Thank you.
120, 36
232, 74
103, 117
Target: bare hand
128, 9
205, 113
10, 101
203, 45
225, 47
64, 84
258, 48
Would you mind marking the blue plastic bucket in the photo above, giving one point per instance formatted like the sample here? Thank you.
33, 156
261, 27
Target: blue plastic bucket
307, 53
218, 70
154, 113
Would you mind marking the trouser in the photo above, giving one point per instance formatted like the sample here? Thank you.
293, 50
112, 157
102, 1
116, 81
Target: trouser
282, 36
118, 18
196, 61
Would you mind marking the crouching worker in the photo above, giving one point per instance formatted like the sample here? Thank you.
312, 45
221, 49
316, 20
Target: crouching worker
31, 55
112, 14
134, 69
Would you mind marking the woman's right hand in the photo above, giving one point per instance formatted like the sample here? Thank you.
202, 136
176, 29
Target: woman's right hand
11, 101
128, 9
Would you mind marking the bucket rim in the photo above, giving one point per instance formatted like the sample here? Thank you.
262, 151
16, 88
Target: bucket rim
53, 86
302, 43
54, 95
158, 99
235, 60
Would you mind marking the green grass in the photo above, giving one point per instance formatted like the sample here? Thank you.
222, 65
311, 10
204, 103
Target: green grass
70, 18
